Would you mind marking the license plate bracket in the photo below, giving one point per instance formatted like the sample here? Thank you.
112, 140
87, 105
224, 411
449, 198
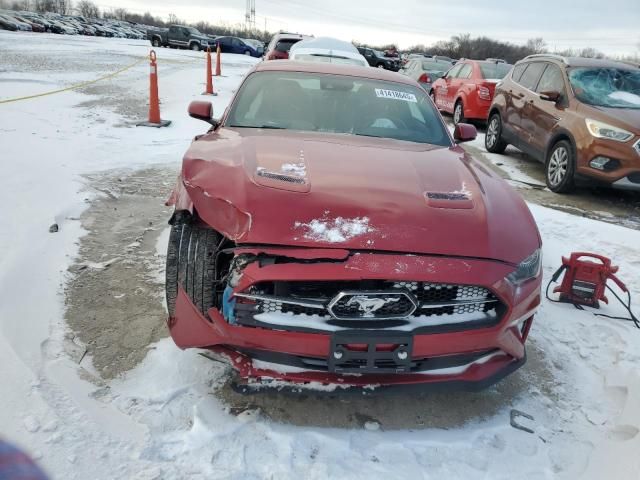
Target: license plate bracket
377, 357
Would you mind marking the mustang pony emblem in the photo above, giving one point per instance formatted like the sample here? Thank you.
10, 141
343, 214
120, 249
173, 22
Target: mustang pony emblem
370, 305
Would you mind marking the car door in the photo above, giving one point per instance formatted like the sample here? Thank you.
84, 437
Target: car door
453, 86
521, 93
368, 55
175, 36
237, 46
541, 116
442, 88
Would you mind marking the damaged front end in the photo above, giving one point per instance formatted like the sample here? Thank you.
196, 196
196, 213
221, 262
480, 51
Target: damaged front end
326, 319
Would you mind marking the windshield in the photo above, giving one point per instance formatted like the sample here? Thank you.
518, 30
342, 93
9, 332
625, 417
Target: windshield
606, 87
318, 57
194, 31
494, 71
337, 104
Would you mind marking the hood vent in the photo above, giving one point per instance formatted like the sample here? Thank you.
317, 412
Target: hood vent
447, 196
280, 176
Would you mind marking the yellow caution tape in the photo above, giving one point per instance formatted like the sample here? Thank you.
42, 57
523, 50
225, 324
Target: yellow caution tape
78, 85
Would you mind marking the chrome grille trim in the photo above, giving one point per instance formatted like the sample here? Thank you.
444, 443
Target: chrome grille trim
286, 300
457, 303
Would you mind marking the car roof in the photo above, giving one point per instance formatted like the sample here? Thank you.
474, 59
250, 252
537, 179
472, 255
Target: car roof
333, 69
578, 61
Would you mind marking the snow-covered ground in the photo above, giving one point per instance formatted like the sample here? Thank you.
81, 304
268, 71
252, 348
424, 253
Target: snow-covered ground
162, 419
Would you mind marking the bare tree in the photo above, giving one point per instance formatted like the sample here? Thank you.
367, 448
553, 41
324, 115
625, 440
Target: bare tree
88, 9
173, 19
45, 6
536, 45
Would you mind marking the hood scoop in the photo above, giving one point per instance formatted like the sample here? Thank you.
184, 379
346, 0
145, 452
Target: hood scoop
452, 200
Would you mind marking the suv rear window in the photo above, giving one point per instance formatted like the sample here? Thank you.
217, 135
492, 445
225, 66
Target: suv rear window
518, 70
494, 71
285, 45
531, 75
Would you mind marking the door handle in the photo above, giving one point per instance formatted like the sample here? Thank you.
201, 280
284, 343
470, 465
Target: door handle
518, 95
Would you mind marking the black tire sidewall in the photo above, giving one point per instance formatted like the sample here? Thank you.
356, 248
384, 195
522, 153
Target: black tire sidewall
500, 145
455, 107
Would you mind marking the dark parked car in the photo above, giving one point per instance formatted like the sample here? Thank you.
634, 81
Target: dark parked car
236, 45
178, 36
346, 289
377, 59
579, 116
7, 23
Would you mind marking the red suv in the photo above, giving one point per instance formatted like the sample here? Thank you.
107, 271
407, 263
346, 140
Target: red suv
467, 89
280, 44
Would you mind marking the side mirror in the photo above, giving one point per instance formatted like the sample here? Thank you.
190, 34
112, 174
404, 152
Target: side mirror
202, 111
550, 96
464, 132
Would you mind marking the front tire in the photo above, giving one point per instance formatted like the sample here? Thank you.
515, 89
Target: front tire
493, 141
560, 167
195, 47
458, 113
380, 65
191, 257
156, 43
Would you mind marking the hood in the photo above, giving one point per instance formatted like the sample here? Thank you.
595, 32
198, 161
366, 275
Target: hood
359, 193
627, 118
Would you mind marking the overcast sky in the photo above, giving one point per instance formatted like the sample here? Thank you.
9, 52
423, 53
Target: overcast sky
610, 26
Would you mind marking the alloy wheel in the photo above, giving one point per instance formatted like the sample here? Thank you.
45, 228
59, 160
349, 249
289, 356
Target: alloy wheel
457, 114
492, 132
558, 166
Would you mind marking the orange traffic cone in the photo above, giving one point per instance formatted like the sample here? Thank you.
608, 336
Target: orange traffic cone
154, 101
209, 90
218, 69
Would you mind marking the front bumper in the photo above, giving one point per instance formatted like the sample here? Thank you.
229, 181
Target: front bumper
450, 356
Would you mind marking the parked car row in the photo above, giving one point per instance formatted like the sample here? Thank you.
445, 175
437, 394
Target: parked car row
68, 25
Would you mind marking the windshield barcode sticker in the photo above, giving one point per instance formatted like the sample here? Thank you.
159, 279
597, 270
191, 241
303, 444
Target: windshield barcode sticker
394, 94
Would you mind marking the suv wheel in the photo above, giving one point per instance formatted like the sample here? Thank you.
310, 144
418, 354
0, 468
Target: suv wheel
247, 52
191, 264
493, 141
458, 113
156, 42
380, 65
195, 47
560, 167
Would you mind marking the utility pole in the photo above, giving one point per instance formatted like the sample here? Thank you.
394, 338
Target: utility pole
250, 15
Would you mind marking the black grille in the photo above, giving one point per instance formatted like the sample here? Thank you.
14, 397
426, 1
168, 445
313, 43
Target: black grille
347, 312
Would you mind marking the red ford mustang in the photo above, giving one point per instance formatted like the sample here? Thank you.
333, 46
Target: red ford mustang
328, 232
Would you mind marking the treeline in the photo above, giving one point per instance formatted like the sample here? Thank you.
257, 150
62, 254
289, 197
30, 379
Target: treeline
465, 46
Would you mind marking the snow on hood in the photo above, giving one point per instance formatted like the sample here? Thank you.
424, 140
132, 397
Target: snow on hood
334, 230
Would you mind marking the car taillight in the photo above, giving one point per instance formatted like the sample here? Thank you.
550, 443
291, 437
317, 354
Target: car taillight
484, 92
424, 78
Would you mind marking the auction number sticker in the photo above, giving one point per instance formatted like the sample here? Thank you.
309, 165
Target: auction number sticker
396, 95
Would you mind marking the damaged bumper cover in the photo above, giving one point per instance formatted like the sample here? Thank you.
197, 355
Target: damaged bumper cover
371, 320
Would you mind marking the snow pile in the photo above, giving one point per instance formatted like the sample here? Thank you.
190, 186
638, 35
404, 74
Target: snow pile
630, 98
334, 230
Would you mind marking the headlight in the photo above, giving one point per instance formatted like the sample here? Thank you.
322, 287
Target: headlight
603, 130
529, 268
